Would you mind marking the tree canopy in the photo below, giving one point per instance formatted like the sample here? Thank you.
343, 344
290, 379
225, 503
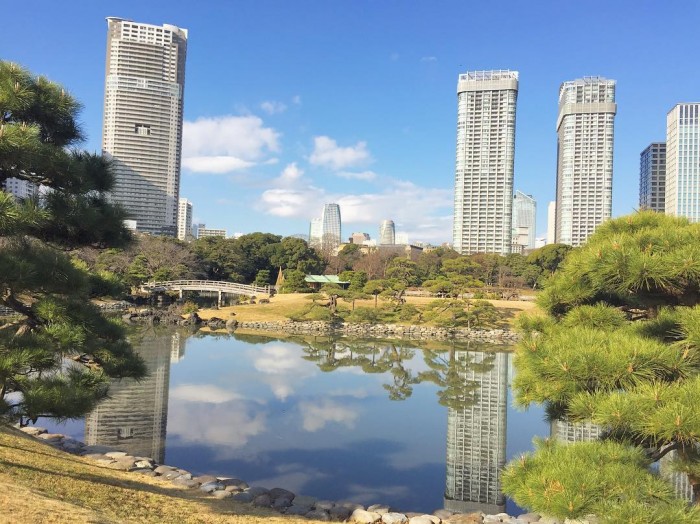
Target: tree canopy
57, 352
620, 349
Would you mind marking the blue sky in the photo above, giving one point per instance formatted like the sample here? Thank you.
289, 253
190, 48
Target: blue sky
355, 102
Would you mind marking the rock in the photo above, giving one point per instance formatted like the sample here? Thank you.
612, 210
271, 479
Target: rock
33, 430
352, 506
324, 504
115, 454
464, 518
365, 517
379, 508
185, 483
172, 474
318, 514
233, 489
146, 472
211, 486
297, 510
222, 494
281, 503
51, 436
162, 470
304, 500
234, 483
257, 490
340, 512
143, 464
263, 501
279, 493
394, 518
423, 519
206, 479
529, 517
243, 496
95, 448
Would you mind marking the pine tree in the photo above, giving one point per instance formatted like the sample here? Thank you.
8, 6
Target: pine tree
620, 348
57, 351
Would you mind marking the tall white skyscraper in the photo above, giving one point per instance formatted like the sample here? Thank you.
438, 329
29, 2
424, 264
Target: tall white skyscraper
585, 128
387, 233
142, 130
330, 219
683, 161
524, 220
652, 177
184, 219
316, 232
484, 167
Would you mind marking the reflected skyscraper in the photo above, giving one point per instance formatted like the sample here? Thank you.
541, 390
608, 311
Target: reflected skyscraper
134, 417
476, 435
565, 431
679, 481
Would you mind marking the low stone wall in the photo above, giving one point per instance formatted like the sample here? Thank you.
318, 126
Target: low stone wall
494, 336
278, 499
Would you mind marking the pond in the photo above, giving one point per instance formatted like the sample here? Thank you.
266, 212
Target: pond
417, 425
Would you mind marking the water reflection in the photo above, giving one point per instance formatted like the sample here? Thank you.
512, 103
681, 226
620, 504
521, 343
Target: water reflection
134, 418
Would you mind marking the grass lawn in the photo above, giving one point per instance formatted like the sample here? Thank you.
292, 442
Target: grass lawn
281, 305
40, 484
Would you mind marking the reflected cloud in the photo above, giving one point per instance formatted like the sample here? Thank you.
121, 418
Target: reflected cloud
294, 477
282, 368
231, 424
203, 393
317, 415
364, 494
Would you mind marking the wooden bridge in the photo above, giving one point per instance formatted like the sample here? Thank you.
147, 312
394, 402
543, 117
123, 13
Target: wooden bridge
219, 287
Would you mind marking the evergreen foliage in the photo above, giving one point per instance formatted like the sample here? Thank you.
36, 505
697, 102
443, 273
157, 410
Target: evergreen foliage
620, 349
58, 353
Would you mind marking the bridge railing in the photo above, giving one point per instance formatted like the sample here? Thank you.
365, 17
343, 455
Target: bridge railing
216, 285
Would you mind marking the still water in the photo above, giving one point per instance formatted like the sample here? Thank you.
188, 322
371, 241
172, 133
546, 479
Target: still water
413, 424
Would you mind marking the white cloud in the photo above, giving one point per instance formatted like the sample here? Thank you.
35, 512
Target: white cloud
296, 99
317, 416
327, 153
203, 393
363, 175
272, 107
290, 175
226, 143
428, 59
291, 202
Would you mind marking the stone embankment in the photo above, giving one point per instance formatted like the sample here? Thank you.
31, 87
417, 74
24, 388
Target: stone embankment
493, 336
277, 499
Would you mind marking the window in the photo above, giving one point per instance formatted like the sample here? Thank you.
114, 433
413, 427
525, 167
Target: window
142, 129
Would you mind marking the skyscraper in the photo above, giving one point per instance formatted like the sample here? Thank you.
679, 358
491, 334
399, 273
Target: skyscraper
184, 219
524, 219
551, 222
652, 177
484, 165
476, 434
683, 161
387, 233
331, 233
316, 232
142, 130
585, 128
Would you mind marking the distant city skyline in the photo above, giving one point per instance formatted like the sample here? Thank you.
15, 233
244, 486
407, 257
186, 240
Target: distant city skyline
333, 121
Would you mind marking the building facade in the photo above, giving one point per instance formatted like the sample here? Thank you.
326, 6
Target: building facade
551, 222
184, 219
332, 227
652, 177
20, 188
359, 238
585, 129
387, 233
316, 232
142, 129
524, 220
483, 198
203, 232
683, 161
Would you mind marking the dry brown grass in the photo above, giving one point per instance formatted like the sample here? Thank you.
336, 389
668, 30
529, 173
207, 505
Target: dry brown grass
40, 484
281, 306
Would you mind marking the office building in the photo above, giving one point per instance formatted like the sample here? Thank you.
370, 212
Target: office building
387, 233
359, 238
184, 219
483, 197
316, 232
20, 188
524, 220
134, 417
551, 222
683, 161
203, 232
652, 177
476, 434
585, 128
325, 232
142, 130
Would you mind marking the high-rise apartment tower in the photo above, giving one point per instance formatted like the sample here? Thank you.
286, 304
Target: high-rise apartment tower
683, 161
387, 233
484, 165
585, 128
142, 130
652, 177
184, 219
524, 218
